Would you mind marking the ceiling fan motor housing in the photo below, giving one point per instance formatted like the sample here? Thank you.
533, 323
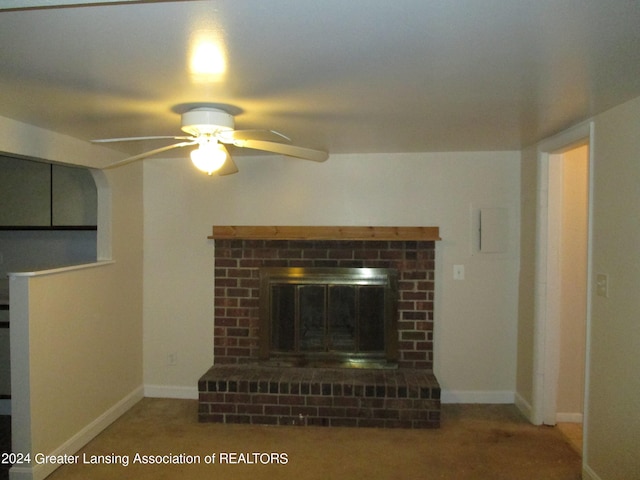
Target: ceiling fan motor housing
206, 121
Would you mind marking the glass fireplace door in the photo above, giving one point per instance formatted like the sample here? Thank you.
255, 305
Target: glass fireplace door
325, 314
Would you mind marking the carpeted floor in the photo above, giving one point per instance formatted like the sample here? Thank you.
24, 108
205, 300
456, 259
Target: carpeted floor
573, 433
483, 442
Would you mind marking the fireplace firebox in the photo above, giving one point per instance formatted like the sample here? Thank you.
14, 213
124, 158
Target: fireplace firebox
328, 317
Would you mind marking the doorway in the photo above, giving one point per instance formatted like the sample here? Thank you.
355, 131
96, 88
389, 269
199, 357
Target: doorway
569, 195
562, 279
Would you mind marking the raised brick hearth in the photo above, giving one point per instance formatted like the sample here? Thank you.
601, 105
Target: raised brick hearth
240, 390
346, 397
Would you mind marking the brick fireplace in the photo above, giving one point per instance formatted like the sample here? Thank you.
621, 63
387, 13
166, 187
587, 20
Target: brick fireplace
241, 389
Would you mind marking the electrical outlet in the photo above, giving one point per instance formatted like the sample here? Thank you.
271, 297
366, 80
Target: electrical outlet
172, 359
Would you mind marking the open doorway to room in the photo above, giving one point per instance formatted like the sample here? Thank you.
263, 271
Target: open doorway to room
569, 212
562, 283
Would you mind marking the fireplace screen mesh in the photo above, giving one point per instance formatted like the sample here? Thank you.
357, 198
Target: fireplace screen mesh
328, 315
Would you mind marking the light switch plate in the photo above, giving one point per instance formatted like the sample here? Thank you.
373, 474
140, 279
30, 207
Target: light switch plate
602, 285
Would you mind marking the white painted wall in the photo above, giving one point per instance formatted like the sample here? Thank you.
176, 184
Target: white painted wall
613, 400
475, 318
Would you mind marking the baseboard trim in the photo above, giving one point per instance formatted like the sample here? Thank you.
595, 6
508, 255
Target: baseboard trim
588, 474
171, 391
525, 407
569, 417
80, 439
473, 396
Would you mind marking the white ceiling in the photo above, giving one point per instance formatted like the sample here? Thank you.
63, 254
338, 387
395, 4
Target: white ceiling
346, 76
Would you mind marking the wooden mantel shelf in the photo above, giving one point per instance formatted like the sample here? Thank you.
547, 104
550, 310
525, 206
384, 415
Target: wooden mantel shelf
325, 233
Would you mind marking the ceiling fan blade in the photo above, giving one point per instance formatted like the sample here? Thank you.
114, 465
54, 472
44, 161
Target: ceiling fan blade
229, 167
264, 135
284, 149
149, 153
136, 139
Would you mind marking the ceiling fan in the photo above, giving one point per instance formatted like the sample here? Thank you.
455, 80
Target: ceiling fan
211, 129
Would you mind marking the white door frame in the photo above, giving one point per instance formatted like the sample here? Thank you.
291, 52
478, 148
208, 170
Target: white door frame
546, 348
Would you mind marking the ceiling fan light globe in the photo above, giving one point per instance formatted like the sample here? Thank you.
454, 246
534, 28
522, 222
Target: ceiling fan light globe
209, 159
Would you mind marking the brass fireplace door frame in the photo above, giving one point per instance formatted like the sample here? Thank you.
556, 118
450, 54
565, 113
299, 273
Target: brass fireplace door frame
385, 277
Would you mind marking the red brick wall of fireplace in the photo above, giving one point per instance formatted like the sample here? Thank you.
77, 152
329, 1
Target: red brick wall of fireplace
237, 288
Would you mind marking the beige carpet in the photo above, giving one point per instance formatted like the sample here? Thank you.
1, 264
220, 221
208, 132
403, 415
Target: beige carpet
573, 433
483, 442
